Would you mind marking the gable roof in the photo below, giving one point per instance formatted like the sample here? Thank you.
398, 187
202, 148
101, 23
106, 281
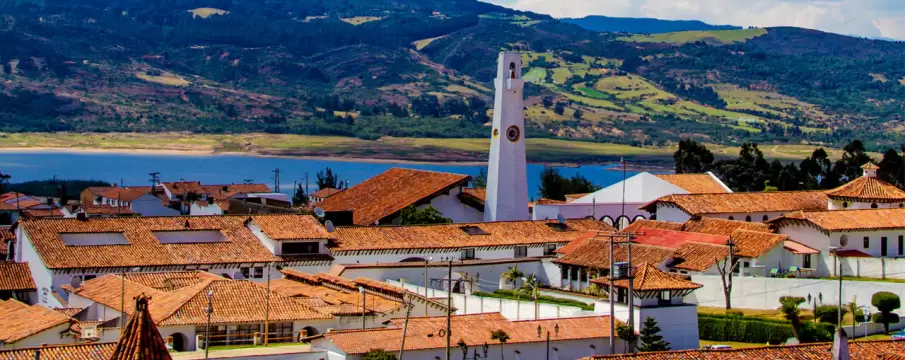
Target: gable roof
650, 278
742, 202
125, 193
696, 183
454, 236
846, 220
473, 330
325, 193
673, 239
716, 226
391, 191
144, 248
140, 338
640, 188
642, 224
90, 351
21, 320
860, 350
867, 189
16, 277
106, 210
753, 244
289, 227
234, 301
695, 256
595, 253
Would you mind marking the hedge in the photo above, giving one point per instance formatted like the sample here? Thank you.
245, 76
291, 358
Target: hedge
511, 295
732, 327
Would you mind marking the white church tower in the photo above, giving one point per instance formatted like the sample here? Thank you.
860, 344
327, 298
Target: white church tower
507, 182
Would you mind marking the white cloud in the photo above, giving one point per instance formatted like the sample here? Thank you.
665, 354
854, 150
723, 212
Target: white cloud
868, 18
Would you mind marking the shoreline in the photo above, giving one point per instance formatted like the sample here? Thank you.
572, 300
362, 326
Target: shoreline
351, 159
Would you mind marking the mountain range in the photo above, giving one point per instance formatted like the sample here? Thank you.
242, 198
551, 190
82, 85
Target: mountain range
423, 68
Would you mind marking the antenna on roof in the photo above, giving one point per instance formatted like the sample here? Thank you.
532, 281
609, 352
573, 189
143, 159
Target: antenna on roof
560, 218
329, 226
319, 212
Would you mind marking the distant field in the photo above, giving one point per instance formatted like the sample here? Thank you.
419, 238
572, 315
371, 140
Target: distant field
768, 102
724, 37
539, 150
205, 13
423, 43
163, 79
535, 75
358, 20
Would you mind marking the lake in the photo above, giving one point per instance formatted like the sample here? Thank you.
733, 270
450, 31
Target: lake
133, 169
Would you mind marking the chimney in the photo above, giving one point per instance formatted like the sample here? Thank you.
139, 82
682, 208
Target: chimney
840, 345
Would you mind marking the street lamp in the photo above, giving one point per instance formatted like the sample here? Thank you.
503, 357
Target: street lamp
363, 311
426, 261
207, 331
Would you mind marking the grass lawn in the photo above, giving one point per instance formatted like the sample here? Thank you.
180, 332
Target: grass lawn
561, 74
535, 75
733, 344
715, 37
163, 79
423, 43
358, 20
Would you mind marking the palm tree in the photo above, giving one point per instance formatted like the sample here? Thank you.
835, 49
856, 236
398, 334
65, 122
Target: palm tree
512, 275
500, 336
530, 288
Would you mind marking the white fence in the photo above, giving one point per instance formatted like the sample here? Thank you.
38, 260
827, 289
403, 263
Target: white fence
511, 309
764, 293
878, 268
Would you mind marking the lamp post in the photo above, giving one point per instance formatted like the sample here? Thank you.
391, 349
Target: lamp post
207, 330
363, 309
476, 356
534, 296
426, 296
122, 301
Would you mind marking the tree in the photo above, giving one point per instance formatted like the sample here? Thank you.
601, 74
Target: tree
555, 186
328, 179
530, 288
886, 302
651, 340
892, 168
853, 157
300, 199
512, 275
791, 312
816, 171
627, 334
430, 215
480, 180
829, 313
692, 157
726, 267
4, 180
578, 114
502, 337
378, 354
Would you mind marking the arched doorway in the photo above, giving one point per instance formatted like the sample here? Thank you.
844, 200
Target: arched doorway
608, 220
179, 341
310, 331
622, 222
639, 217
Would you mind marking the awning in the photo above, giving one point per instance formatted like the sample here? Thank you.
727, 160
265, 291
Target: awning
851, 253
799, 248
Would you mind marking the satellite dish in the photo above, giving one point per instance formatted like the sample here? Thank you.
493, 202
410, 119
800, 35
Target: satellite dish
560, 218
377, 222
329, 226
319, 212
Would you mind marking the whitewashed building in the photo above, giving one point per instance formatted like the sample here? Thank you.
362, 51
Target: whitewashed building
26, 326
607, 204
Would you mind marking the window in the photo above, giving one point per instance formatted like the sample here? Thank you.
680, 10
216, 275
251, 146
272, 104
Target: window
748, 218
521, 251
467, 254
873, 206
300, 248
747, 264
845, 204
901, 245
549, 249
89, 277
189, 237
473, 230
766, 218
245, 272
259, 272
884, 244
731, 218
94, 239
807, 261
281, 332
867, 242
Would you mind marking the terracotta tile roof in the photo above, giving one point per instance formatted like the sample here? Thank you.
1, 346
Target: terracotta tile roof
573, 197
543, 201
25, 204
92, 351
868, 189
847, 220
390, 192
753, 244
641, 224
473, 330
649, 278
180, 188
860, 350
799, 248
235, 301
125, 193
595, 253
292, 227
742, 202
325, 193
227, 191
44, 213
16, 277
715, 226
69, 312
106, 210
170, 280
851, 253
144, 249
694, 183
576, 243
140, 338
674, 239
21, 320
453, 236
477, 194
695, 256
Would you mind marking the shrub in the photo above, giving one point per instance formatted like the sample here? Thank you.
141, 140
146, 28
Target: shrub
747, 330
735, 313
829, 313
813, 332
886, 302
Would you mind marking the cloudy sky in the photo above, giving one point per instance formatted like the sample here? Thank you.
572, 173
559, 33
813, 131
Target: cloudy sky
867, 18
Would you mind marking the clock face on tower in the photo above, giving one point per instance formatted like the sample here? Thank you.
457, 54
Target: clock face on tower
513, 133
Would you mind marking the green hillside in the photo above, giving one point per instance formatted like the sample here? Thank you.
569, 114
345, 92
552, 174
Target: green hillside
717, 37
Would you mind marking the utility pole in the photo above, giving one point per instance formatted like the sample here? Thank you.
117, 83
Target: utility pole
207, 330
449, 309
548, 344
426, 296
612, 280
363, 308
839, 312
276, 179
405, 326
267, 309
631, 291
307, 190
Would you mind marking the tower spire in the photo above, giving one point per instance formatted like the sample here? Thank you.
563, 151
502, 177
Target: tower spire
507, 182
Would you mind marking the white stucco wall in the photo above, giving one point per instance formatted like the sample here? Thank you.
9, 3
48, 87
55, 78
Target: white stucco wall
669, 213
559, 350
452, 208
489, 274
42, 276
198, 209
50, 336
581, 211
